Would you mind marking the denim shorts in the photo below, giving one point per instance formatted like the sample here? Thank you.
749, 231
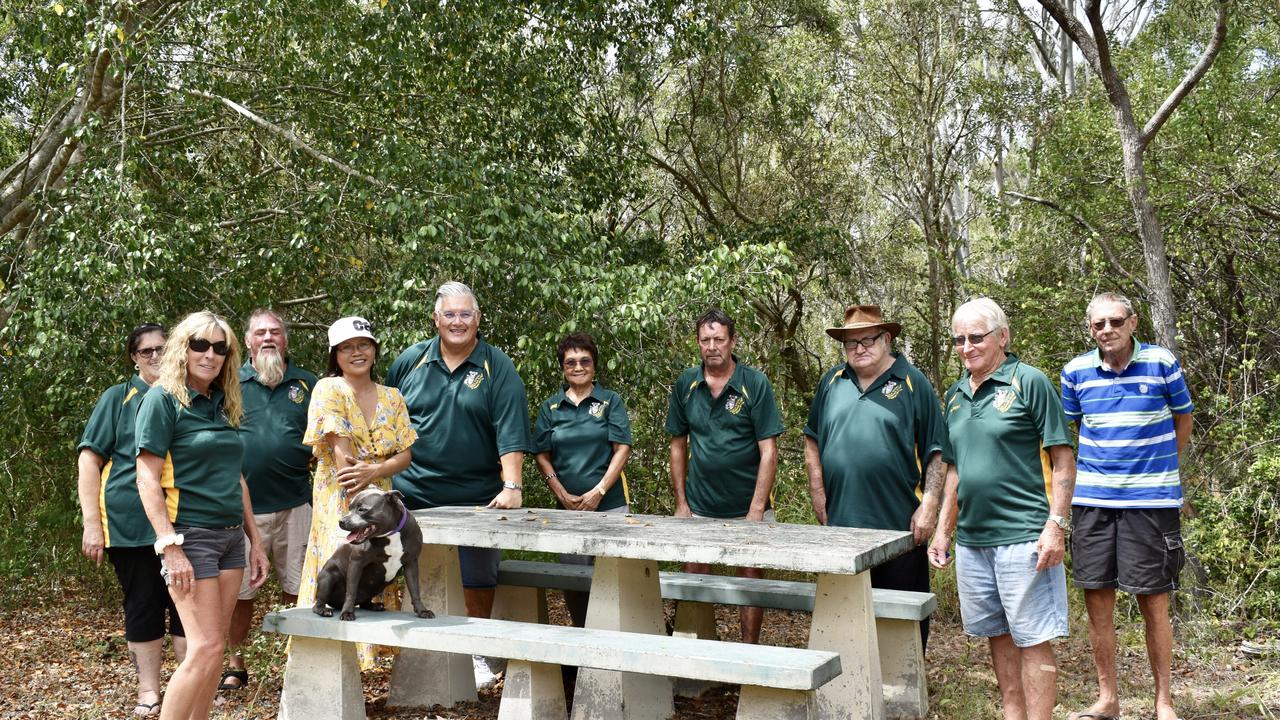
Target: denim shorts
1001, 593
212, 551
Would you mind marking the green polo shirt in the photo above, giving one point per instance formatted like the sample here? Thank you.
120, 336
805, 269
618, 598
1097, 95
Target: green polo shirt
996, 440
110, 434
580, 439
723, 434
466, 420
875, 444
276, 463
202, 457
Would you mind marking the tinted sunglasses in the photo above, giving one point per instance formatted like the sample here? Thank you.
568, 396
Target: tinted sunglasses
200, 345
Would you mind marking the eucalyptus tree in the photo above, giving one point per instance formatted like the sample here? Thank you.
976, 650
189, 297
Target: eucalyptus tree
1137, 136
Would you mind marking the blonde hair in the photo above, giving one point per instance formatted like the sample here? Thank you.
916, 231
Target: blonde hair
173, 364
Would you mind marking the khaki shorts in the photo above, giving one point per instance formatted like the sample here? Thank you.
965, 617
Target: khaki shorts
284, 538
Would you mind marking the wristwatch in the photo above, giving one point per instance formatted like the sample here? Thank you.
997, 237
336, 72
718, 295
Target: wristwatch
1060, 521
512, 486
166, 541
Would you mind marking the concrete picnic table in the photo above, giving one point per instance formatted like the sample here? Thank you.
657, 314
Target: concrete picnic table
626, 595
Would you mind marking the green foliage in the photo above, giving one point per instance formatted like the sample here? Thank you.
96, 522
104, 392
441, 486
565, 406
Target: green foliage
617, 169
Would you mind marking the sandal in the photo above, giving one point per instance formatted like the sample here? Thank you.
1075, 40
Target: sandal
232, 673
146, 710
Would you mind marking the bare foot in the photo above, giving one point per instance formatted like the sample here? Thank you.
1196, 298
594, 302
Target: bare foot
1165, 712
1100, 710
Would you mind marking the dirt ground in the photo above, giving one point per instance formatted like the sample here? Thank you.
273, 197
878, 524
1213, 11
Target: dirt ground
68, 660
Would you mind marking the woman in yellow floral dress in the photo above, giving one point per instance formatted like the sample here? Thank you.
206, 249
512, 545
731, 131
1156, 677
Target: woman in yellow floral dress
352, 451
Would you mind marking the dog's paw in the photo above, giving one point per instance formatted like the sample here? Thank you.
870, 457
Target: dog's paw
322, 610
427, 614
347, 615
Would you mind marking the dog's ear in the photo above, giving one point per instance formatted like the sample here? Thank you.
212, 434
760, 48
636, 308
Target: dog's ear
396, 494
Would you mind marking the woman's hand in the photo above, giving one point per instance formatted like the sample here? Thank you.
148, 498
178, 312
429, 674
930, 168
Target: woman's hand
177, 571
92, 543
358, 475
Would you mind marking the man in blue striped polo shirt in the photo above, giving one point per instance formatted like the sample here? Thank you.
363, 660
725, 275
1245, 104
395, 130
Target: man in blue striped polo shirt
1133, 410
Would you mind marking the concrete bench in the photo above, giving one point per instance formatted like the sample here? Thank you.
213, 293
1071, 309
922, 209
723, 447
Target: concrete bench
898, 615
322, 679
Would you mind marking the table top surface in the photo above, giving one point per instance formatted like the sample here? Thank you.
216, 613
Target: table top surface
778, 546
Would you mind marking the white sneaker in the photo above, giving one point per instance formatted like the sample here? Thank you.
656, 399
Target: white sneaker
484, 676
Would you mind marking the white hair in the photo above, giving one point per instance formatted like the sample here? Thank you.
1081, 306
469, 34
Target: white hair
983, 309
1106, 297
455, 289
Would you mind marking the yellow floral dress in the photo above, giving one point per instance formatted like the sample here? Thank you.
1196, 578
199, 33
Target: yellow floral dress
334, 410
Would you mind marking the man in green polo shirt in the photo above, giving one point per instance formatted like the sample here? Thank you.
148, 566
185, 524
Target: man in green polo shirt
723, 420
873, 446
471, 412
1007, 495
277, 468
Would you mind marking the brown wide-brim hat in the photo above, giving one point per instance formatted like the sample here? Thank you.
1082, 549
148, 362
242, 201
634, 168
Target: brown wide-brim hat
863, 317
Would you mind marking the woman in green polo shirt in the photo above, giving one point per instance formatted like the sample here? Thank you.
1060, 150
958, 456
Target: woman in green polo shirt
582, 438
189, 457
115, 524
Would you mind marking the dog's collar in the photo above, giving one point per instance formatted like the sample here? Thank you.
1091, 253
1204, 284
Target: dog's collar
403, 519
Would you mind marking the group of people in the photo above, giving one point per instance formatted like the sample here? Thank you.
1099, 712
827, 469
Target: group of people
198, 468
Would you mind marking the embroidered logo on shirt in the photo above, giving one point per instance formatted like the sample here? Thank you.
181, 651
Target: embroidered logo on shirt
733, 404
296, 394
892, 389
596, 409
1142, 388
473, 379
1004, 399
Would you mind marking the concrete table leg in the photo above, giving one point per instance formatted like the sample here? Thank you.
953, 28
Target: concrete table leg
532, 691
902, 663
694, 620
522, 604
625, 596
762, 703
321, 679
423, 678
844, 621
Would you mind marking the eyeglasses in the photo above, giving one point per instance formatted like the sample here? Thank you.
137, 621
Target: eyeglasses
200, 345
973, 338
463, 315
867, 342
1116, 322
149, 352
349, 348
584, 363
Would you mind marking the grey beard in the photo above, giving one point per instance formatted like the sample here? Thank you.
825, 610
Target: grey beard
270, 366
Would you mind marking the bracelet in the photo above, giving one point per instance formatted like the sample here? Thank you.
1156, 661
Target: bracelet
601, 489
512, 486
166, 541
551, 476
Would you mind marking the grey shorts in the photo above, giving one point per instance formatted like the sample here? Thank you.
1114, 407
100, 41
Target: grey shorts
212, 551
1138, 550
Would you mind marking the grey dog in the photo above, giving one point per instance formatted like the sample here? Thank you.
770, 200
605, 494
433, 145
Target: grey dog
382, 539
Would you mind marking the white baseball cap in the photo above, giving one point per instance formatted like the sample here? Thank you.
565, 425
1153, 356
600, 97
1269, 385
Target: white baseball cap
349, 327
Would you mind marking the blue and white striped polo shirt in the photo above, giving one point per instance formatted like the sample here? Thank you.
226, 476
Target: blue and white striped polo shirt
1128, 451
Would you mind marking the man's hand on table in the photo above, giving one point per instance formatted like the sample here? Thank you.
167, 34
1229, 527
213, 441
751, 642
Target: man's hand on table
508, 499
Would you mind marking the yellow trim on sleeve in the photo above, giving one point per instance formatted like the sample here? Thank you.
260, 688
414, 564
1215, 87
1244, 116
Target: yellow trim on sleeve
102, 499
170, 488
1046, 468
626, 489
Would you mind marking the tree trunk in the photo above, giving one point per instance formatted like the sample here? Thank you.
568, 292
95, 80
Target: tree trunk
1163, 309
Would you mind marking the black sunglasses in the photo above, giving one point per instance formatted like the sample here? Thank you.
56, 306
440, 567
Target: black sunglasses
200, 345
